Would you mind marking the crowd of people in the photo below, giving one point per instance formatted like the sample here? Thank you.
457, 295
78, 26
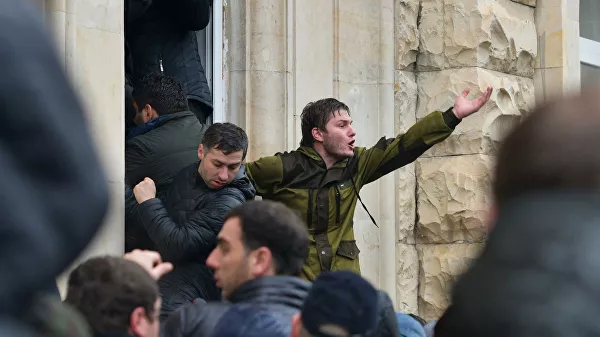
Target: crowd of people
205, 258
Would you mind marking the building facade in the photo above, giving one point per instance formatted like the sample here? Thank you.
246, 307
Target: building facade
392, 62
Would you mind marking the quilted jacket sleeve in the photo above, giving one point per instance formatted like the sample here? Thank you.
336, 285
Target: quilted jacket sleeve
197, 235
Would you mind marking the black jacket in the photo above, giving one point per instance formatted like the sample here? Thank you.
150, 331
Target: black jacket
54, 192
162, 152
165, 32
184, 229
159, 154
282, 296
539, 274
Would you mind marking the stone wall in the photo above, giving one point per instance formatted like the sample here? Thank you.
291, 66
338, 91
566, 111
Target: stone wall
392, 62
465, 43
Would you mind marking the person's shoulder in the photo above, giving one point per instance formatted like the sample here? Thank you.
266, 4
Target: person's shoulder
195, 319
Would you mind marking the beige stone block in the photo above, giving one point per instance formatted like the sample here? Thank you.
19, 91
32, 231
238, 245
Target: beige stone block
358, 43
104, 15
367, 235
407, 33
549, 84
363, 101
99, 66
550, 3
56, 5
549, 24
405, 97
453, 198
483, 131
407, 278
493, 34
530, 3
266, 37
440, 265
265, 106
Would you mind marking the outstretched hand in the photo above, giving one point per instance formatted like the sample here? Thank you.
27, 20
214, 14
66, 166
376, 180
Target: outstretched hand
150, 261
463, 107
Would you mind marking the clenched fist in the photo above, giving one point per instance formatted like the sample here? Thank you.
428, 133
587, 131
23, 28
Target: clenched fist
145, 190
151, 261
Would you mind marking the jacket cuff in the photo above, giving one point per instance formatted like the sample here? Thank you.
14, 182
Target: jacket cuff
450, 118
149, 204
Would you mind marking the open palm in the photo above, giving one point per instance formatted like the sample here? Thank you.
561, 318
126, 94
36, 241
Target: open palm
464, 107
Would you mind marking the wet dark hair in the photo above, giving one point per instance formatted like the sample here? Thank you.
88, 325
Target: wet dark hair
165, 94
316, 115
226, 137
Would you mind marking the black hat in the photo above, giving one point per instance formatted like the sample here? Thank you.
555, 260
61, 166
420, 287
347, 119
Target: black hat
343, 299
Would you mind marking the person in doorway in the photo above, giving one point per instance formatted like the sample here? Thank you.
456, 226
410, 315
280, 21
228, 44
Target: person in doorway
162, 38
185, 222
321, 180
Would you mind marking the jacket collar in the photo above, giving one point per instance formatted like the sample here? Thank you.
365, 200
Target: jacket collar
157, 122
311, 153
286, 290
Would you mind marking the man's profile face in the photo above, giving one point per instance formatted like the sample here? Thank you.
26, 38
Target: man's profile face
217, 168
230, 259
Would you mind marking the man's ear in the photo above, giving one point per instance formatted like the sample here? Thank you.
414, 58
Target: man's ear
138, 322
201, 152
261, 263
317, 135
296, 325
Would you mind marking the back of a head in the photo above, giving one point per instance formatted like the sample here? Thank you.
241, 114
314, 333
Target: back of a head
340, 301
106, 290
226, 137
163, 93
271, 224
553, 149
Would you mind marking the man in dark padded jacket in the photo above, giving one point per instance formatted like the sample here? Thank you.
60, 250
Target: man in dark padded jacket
257, 263
184, 223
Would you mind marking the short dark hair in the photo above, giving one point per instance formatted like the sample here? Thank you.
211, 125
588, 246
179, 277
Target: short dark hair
164, 93
271, 224
226, 137
107, 289
553, 149
316, 115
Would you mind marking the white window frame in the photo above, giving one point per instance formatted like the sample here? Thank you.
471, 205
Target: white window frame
214, 56
589, 52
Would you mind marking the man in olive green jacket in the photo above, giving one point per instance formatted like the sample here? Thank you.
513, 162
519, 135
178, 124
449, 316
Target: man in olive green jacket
322, 178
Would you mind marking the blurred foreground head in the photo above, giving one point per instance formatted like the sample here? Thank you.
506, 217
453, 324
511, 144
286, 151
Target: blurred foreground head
555, 148
539, 273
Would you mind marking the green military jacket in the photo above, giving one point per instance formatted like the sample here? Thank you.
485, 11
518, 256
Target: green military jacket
325, 199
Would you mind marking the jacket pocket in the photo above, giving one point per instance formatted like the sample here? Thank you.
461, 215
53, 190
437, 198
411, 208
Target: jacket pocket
348, 249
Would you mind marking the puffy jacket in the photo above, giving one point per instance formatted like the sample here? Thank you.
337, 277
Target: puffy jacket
282, 296
160, 154
325, 198
184, 228
165, 35
539, 274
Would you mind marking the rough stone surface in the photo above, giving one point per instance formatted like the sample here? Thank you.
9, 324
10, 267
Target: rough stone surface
439, 267
531, 3
405, 105
482, 132
407, 277
453, 198
406, 13
493, 34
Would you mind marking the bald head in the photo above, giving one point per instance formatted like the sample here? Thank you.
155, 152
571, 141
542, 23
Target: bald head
555, 148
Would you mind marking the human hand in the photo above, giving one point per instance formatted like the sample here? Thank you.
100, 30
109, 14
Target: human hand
145, 190
150, 261
464, 107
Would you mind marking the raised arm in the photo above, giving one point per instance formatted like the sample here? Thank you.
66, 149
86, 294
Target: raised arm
392, 153
265, 174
